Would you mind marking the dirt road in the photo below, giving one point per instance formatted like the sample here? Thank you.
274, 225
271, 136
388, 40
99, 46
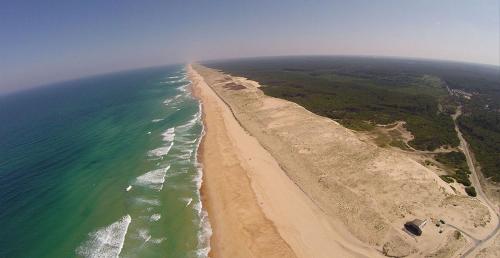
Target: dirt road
479, 190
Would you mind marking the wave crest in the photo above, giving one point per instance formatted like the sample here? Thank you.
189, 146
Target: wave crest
153, 179
106, 242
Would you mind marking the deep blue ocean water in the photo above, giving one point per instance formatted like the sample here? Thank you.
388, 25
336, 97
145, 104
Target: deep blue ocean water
101, 167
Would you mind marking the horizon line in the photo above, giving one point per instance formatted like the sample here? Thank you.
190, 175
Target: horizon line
53, 83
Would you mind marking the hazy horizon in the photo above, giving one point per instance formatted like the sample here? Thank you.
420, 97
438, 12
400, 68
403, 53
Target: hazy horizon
43, 44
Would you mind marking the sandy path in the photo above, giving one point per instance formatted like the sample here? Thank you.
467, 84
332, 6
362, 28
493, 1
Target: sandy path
254, 207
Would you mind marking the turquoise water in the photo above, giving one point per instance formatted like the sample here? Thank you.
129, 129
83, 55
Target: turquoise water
101, 167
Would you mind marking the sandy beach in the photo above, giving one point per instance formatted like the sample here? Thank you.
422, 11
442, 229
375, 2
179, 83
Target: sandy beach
282, 181
240, 228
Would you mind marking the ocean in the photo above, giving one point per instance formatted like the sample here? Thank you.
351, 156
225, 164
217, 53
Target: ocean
103, 166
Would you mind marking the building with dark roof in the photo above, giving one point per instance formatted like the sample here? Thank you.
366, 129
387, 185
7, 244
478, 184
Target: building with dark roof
415, 226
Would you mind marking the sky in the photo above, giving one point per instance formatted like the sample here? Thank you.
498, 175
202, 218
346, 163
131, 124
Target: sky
48, 41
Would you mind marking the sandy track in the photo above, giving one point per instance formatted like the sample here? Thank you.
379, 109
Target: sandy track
490, 238
254, 208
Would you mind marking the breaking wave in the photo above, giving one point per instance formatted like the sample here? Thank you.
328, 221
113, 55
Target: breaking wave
152, 202
162, 151
169, 134
184, 177
155, 217
172, 99
205, 229
144, 235
106, 242
195, 119
153, 179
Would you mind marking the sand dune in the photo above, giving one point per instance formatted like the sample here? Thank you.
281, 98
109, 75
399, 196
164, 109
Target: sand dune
315, 187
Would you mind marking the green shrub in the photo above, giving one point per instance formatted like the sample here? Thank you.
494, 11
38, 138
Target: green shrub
454, 159
447, 179
462, 177
471, 191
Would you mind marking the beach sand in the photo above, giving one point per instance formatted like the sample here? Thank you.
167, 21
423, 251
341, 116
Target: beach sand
240, 228
282, 181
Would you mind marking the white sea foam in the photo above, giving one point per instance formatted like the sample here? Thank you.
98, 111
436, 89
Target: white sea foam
153, 202
203, 252
179, 96
175, 79
162, 151
144, 235
155, 217
182, 79
205, 231
178, 172
196, 118
184, 87
158, 240
186, 156
186, 141
198, 207
169, 134
153, 179
107, 241
183, 157
198, 178
172, 99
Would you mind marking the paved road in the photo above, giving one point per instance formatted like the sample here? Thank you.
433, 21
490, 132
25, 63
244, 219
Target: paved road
479, 190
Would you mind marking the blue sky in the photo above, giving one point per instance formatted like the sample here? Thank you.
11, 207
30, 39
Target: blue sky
47, 41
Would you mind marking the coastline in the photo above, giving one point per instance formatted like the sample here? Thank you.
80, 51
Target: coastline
256, 210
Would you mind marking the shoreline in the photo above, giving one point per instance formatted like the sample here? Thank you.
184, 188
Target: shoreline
205, 235
293, 225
